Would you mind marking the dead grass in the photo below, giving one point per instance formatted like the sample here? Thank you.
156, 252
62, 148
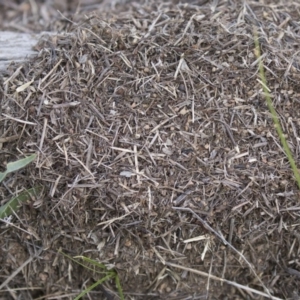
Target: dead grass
157, 152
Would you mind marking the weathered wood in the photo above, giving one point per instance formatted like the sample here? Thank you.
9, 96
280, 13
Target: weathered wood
16, 47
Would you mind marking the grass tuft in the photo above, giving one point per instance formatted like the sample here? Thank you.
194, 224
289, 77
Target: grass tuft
108, 274
273, 111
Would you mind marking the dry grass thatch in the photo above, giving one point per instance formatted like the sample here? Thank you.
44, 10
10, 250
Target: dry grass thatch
157, 153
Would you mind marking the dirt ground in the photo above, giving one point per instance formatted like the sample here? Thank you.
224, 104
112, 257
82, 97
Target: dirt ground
156, 149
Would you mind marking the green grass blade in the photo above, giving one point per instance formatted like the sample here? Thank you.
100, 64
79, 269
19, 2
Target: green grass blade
93, 286
119, 287
76, 261
273, 112
83, 265
17, 165
91, 261
13, 204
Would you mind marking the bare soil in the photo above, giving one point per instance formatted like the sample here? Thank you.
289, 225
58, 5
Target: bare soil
157, 153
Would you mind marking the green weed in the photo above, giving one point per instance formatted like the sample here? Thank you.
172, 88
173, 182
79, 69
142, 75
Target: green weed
13, 204
107, 274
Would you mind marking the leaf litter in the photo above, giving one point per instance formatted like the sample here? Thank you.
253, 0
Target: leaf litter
156, 151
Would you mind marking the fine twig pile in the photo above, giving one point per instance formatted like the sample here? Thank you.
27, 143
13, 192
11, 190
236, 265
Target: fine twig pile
157, 153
